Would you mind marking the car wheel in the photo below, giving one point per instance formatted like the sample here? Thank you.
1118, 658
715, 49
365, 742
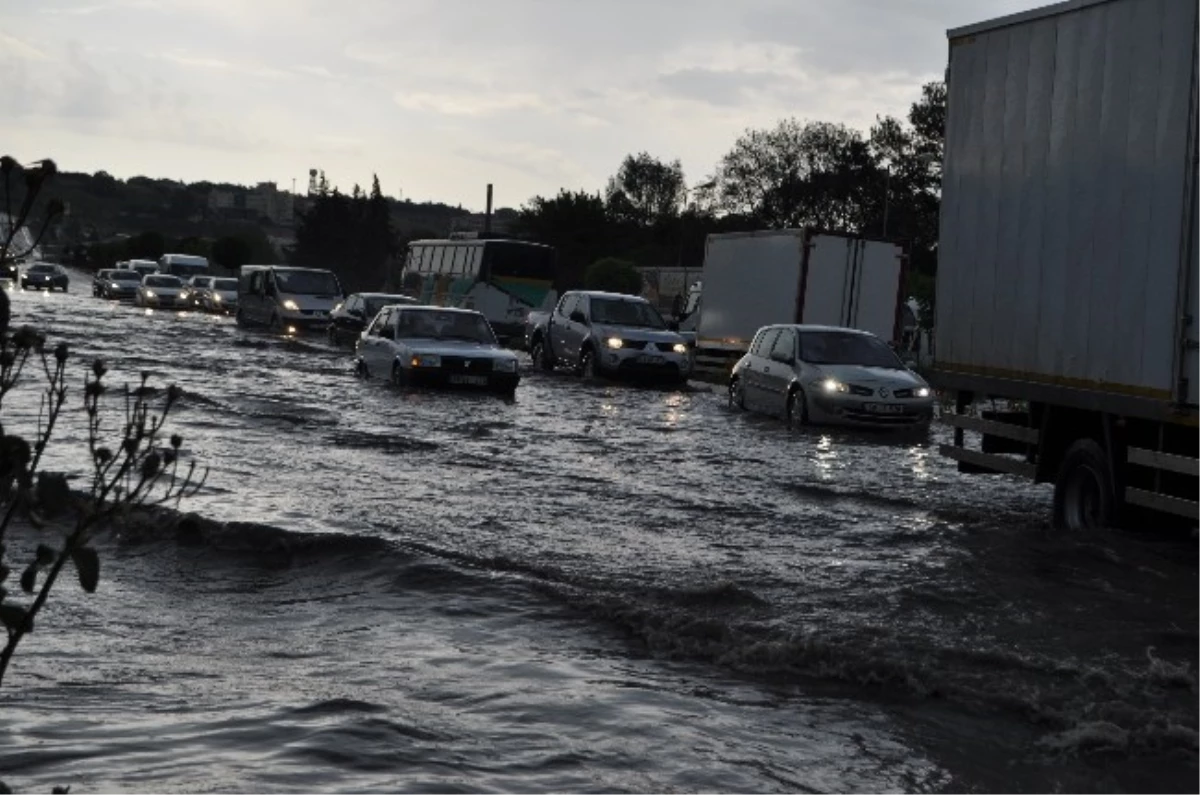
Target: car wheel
1084, 494
333, 340
797, 408
360, 369
737, 397
399, 378
538, 354
589, 368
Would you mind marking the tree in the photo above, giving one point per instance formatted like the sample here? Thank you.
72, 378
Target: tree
797, 174
17, 238
646, 189
231, 252
351, 235
614, 276
576, 224
147, 245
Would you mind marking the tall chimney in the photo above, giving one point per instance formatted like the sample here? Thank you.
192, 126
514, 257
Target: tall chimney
487, 215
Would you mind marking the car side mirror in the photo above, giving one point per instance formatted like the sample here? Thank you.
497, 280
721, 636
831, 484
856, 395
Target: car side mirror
776, 356
673, 325
578, 317
387, 332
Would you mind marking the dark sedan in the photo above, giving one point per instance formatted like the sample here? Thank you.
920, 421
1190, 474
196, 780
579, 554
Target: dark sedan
116, 283
350, 317
44, 276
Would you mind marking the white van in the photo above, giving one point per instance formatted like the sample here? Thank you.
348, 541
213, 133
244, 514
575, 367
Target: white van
185, 266
286, 299
143, 267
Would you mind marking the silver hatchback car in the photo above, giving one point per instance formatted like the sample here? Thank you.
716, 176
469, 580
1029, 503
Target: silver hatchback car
829, 375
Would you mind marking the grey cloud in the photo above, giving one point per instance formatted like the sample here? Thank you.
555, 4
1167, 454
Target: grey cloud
727, 88
868, 35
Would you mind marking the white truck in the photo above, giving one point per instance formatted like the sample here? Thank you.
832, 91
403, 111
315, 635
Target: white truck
1067, 269
754, 279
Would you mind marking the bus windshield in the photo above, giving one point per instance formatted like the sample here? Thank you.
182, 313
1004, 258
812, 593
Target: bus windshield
516, 259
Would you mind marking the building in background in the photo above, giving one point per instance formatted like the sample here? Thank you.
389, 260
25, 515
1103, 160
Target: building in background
265, 200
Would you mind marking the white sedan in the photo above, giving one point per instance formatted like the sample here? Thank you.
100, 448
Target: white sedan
829, 375
435, 346
160, 290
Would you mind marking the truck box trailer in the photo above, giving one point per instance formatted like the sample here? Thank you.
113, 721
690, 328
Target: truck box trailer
753, 279
1067, 270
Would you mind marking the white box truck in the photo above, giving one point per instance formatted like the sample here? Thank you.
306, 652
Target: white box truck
753, 279
1067, 266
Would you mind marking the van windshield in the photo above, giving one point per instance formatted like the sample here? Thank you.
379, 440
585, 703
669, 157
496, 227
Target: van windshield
307, 282
619, 312
225, 284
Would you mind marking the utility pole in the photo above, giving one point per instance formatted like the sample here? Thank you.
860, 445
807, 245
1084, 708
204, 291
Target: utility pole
487, 215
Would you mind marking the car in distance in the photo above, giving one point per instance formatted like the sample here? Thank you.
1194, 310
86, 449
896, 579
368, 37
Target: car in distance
119, 284
435, 346
829, 375
160, 290
220, 296
45, 276
193, 291
601, 334
350, 317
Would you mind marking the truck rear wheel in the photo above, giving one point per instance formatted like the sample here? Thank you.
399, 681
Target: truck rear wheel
1084, 495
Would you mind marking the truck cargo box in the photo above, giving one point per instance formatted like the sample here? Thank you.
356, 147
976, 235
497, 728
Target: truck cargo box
1067, 257
753, 279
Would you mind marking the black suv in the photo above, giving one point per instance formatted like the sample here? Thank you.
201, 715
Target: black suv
44, 276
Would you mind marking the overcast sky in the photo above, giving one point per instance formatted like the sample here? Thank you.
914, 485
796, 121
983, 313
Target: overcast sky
442, 96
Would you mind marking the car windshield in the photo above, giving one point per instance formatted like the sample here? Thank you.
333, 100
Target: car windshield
126, 276
202, 281
434, 325
840, 347
618, 312
377, 302
41, 269
307, 282
163, 281
224, 285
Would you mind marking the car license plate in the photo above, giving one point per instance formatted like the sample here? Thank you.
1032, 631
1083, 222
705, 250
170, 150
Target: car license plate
475, 380
884, 408
646, 358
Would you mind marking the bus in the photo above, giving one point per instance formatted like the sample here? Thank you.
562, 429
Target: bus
502, 279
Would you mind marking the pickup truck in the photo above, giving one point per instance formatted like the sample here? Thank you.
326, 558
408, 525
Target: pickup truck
600, 334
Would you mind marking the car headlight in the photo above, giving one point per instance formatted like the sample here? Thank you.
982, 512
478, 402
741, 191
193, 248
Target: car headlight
679, 348
922, 391
114, 285
291, 305
149, 293
505, 365
426, 360
834, 385
216, 297
614, 342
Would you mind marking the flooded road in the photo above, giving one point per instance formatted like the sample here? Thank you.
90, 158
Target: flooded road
590, 588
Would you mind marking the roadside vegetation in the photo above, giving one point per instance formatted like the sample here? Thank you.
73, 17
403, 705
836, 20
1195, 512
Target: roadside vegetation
131, 456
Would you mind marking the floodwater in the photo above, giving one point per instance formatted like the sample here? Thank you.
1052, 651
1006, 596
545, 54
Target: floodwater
590, 588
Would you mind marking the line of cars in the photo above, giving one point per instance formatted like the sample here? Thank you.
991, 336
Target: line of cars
164, 290
802, 373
